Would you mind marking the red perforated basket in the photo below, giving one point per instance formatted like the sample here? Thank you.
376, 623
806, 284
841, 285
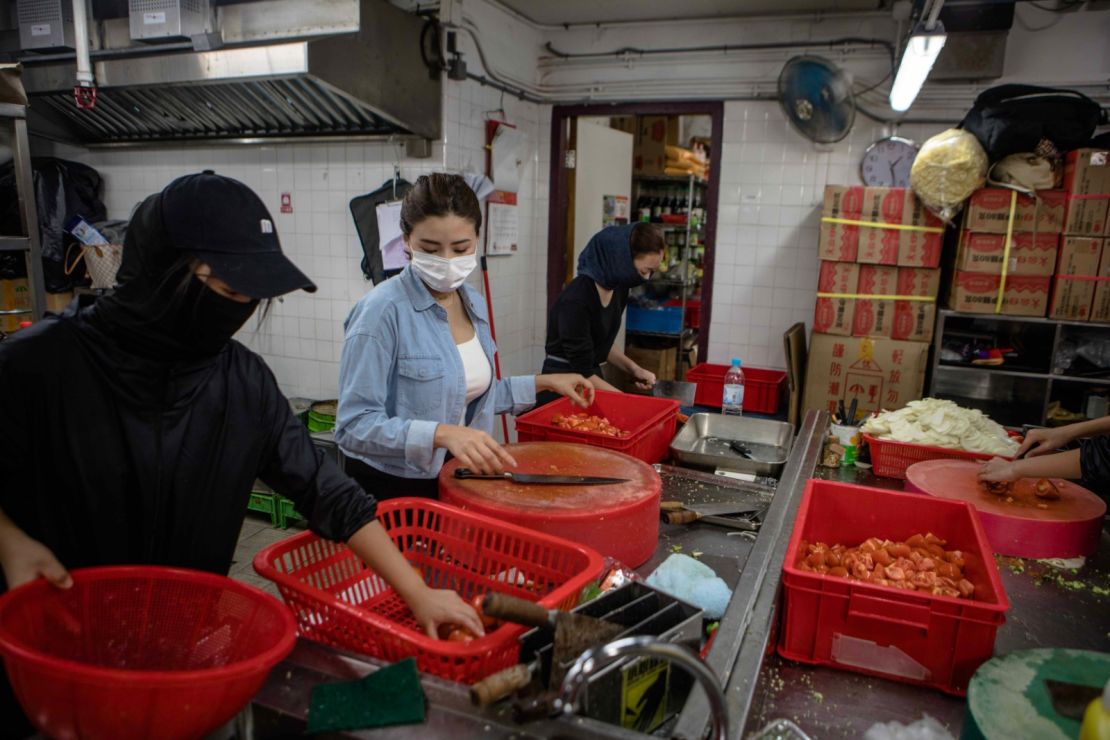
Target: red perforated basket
650, 421
139, 651
889, 459
338, 600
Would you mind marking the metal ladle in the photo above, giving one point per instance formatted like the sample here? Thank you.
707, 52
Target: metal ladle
597, 658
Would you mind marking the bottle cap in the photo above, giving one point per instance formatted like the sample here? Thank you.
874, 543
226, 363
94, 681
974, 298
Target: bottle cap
736, 362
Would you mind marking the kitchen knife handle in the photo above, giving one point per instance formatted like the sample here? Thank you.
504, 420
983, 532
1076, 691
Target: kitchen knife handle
501, 684
680, 517
534, 708
517, 611
465, 473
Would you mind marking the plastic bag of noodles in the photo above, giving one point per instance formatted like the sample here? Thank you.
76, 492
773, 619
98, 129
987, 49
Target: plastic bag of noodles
948, 169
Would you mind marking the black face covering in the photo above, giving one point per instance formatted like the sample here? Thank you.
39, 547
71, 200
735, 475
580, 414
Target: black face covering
208, 320
161, 310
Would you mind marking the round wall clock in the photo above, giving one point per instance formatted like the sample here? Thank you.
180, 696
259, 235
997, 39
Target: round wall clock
887, 163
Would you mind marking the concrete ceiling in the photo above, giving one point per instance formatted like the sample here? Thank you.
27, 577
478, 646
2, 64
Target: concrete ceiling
545, 12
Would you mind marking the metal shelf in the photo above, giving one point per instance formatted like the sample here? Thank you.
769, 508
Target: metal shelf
678, 179
1049, 378
14, 243
16, 117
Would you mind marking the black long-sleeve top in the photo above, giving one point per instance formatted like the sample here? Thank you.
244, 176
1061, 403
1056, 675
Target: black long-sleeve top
580, 330
107, 457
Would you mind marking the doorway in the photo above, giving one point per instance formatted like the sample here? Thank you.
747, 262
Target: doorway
657, 162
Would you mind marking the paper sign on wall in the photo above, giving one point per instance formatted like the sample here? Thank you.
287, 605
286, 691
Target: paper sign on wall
614, 210
504, 224
507, 156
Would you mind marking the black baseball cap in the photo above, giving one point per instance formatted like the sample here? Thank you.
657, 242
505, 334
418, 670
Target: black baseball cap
223, 223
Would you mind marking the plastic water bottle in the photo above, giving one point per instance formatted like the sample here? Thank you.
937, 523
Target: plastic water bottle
732, 401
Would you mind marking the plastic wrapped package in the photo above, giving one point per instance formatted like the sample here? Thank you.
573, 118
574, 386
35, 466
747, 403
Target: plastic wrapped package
948, 169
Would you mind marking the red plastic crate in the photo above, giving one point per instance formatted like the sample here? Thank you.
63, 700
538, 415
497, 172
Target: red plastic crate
935, 641
889, 459
339, 601
762, 388
652, 422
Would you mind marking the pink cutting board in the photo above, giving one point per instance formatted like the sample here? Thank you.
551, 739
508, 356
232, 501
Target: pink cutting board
1066, 528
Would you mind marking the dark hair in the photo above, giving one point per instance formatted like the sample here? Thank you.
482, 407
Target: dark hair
645, 239
439, 194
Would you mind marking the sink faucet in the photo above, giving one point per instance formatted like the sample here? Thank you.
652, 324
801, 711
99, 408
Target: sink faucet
597, 658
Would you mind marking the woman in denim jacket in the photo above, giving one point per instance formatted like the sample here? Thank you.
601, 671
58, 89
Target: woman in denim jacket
415, 379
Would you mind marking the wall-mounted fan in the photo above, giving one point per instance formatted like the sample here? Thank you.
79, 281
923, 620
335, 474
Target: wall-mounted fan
816, 97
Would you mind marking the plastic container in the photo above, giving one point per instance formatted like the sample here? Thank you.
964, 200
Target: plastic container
338, 601
140, 651
934, 641
662, 320
762, 388
693, 311
651, 421
889, 459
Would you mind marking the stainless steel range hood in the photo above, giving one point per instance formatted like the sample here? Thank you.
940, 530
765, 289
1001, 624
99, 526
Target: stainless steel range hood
367, 82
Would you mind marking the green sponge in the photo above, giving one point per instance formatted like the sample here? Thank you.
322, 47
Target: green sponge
390, 696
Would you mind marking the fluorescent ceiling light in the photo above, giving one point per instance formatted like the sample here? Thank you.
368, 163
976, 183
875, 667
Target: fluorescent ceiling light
917, 60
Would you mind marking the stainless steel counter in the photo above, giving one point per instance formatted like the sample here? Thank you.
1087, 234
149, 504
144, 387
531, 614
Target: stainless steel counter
1049, 608
750, 567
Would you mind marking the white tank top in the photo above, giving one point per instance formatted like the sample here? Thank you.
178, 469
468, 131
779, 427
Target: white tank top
477, 369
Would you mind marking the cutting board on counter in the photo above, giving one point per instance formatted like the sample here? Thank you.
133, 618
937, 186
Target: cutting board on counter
620, 520
1023, 526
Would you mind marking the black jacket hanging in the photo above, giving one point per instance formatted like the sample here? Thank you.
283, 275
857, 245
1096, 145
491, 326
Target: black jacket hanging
365, 213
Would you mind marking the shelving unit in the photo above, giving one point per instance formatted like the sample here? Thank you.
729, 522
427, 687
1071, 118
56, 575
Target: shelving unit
685, 285
13, 118
1016, 393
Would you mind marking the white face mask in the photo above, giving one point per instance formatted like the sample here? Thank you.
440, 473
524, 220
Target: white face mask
441, 274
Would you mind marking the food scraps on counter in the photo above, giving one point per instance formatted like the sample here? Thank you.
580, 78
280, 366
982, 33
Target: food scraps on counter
919, 563
588, 423
940, 423
1025, 492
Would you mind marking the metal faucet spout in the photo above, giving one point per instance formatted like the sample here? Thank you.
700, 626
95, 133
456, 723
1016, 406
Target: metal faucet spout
597, 658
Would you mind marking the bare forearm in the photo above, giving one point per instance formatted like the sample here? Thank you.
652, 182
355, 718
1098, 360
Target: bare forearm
622, 361
372, 544
600, 383
1059, 465
1091, 428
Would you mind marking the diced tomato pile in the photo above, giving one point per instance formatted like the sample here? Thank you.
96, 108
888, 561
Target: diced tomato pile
588, 423
920, 563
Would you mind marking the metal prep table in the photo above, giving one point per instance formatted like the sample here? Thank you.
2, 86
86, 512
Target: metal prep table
1045, 611
752, 568
759, 685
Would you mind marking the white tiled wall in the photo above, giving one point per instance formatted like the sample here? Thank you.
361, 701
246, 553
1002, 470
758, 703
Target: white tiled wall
772, 182
302, 337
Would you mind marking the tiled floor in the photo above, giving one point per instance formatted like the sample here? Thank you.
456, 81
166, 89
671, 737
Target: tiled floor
256, 534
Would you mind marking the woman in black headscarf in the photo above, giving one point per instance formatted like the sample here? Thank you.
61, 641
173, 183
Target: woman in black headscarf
586, 317
135, 427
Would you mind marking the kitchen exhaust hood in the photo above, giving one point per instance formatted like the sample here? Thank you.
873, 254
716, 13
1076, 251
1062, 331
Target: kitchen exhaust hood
366, 81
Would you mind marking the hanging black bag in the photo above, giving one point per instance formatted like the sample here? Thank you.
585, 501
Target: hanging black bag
1011, 119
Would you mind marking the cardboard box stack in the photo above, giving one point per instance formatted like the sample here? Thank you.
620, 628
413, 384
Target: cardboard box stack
1035, 238
876, 304
1081, 288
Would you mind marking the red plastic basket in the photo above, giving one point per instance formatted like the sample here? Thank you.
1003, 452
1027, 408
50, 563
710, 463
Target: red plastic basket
339, 601
140, 651
889, 459
651, 421
935, 641
762, 388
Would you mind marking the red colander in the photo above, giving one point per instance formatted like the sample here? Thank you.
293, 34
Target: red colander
139, 651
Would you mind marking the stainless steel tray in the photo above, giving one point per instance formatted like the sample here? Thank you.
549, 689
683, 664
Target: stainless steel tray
705, 438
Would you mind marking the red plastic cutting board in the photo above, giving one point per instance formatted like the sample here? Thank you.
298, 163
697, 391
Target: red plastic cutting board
620, 520
1067, 528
